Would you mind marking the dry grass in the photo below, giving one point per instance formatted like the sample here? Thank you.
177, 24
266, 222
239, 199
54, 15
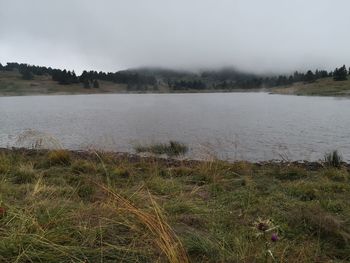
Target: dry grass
97, 207
59, 157
321, 87
165, 238
12, 84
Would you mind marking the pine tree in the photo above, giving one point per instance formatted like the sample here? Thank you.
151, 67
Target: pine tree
340, 74
310, 76
27, 75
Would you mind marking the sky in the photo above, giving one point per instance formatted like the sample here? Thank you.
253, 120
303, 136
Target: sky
260, 36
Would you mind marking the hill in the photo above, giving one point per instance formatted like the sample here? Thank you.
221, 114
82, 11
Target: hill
25, 79
12, 84
320, 87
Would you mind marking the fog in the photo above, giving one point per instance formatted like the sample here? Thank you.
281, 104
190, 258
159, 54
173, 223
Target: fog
110, 35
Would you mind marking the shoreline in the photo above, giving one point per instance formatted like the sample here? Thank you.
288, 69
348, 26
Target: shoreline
171, 161
133, 93
269, 91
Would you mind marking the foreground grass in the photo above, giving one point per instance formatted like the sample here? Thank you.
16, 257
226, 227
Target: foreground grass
321, 87
100, 207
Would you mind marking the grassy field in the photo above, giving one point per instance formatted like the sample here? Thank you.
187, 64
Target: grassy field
11, 84
62, 206
321, 87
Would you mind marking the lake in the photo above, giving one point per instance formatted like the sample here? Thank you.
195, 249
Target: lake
233, 126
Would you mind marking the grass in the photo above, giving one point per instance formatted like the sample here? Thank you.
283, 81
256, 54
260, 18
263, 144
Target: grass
12, 84
171, 149
59, 157
59, 206
321, 87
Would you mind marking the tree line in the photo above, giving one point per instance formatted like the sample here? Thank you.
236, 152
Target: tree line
88, 78
142, 79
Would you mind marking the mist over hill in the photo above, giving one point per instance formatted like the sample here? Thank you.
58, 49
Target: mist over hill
154, 79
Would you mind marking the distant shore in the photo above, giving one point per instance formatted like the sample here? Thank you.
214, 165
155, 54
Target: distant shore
321, 87
96, 92
11, 84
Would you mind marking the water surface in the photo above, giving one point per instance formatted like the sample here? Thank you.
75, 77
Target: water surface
250, 126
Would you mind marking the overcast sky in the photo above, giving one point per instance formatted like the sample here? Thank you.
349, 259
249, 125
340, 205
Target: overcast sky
109, 35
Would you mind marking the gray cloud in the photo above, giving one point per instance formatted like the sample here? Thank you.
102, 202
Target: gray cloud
254, 35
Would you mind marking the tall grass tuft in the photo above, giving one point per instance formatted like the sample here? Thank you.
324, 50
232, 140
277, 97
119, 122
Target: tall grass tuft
172, 149
333, 159
24, 174
5, 164
165, 238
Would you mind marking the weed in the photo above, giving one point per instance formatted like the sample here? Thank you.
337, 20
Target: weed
333, 159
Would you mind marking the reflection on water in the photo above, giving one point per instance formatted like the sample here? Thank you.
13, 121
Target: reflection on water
251, 126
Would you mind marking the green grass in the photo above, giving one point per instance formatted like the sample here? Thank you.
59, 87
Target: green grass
321, 87
99, 207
